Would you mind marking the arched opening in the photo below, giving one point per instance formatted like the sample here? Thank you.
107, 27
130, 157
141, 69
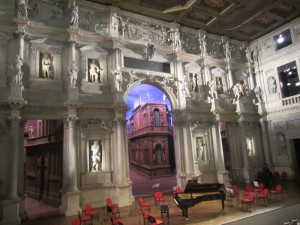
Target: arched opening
150, 140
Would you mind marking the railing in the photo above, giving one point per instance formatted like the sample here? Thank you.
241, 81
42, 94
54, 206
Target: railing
291, 100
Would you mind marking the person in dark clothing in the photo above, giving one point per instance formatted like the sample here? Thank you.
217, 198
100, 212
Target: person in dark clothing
266, 176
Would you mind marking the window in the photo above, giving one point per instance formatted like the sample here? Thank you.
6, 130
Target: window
283, 39
156, 117
289, 80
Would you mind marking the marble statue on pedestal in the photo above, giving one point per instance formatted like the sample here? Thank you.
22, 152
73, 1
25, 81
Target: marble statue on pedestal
17, 70
258, 93
74, 15
96, 157
118, 79
23, 7
73, 73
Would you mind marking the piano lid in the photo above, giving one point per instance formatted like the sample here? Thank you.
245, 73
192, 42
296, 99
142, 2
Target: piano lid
193, 186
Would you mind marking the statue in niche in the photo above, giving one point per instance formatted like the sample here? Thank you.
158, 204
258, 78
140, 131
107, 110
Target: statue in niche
133, 78
193, 82
200, 150
17, 70
272, 85
73, 73
23, 7
149, 51
96, 150
74, 15
186, 86
159, 155
258, 93
47, 65
249, 146
219, 85
125, 27
213, 89
95, 71
118, 79
281, 144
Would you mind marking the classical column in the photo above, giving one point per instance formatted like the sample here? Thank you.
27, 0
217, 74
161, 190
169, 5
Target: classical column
229, 74
20, 36
250, 68
11, 205
265, 139
21, 191
244, 152
70, 192
222, 173
121, 150
183, 132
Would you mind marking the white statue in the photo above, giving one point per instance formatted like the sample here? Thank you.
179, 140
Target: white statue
273, 85
118, 79
238, 90
186, 86
227, 50
46, 65
23, 7
73, 73
94, 70
17, 70
133, 78
258, 93
74, 15
115, 22
213, 89
200, 147
96, 157
204, 45
248, 54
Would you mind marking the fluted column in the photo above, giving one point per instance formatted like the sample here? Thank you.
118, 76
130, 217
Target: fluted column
222, 173
121, 150
244, 152
70, 193
265, 139
10, 206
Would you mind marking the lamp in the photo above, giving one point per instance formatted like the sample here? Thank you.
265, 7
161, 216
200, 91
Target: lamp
280, 39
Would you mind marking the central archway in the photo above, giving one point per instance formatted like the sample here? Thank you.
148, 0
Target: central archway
150, 140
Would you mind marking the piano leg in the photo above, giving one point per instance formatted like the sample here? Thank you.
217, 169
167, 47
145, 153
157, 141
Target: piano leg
185, 213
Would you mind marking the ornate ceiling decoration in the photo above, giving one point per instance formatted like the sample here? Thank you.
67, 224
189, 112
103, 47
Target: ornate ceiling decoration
237, 19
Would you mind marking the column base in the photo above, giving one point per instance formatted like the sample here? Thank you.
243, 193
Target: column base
246, 173
70, 203
223, 178
10, 212
16, 92
73, 94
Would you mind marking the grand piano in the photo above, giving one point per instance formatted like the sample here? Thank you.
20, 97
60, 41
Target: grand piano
195, 193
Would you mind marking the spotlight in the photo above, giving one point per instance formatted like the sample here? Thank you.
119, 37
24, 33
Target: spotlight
280, 39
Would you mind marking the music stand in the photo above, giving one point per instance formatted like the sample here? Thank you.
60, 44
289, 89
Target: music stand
155, 187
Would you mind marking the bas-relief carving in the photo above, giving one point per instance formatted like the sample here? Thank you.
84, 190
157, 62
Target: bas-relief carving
96, 123
281, 144
93, 21
293, 124
272, 85
190, 43
278, 125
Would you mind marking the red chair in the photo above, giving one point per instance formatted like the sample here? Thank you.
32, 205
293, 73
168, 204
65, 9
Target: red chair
145, 215
76, 222
248, 200
277, 191
90, 211
263, 195
153, 221
113, 212
158, 196
232, 193
144, 204
248, 189
259, 188
115, 221
111, 204
276, 175
84, 218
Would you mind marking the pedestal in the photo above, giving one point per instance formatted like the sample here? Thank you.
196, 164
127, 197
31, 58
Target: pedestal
119, 96
10, 212
215, 105
16, 92
239, 107
223, 178
70, 203
73, 94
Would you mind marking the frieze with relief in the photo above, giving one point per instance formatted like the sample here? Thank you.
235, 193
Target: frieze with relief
98, 123
190, 43
51, 12
93, 21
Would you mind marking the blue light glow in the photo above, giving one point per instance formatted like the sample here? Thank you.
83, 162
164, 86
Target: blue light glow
143, 94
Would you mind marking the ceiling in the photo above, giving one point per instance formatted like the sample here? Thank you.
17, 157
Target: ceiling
243, 20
